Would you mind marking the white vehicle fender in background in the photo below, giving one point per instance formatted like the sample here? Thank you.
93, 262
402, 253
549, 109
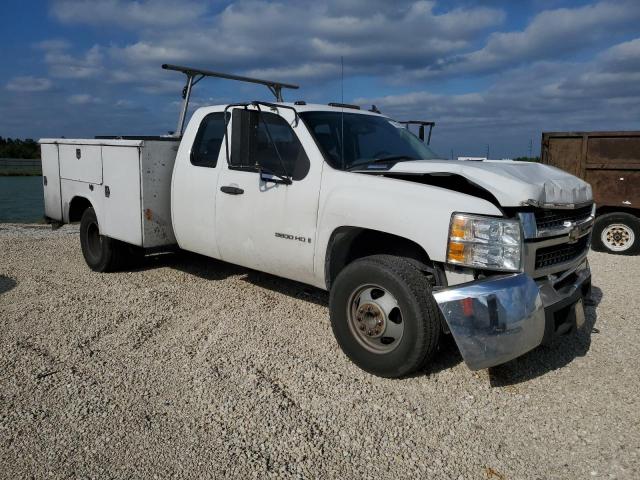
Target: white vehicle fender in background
420, 213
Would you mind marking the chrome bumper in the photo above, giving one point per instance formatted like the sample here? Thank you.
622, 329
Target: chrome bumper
498, 319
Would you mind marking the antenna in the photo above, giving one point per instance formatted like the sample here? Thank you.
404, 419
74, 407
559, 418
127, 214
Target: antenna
342, 110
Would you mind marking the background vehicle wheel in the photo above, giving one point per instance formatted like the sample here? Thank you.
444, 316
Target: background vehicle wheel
384, 316
102, 254
617, 233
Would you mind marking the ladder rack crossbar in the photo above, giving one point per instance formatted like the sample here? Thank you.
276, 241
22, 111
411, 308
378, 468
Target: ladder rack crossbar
194, 75
190, 71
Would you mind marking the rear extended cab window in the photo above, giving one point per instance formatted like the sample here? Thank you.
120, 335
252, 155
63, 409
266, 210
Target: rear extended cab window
206, 146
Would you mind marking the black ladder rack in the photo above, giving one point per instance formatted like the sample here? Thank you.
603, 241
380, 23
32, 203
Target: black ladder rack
421, 130
194, 75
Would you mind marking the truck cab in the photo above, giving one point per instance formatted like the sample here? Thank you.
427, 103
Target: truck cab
411, 247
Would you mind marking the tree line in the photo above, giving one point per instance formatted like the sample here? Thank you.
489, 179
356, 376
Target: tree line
17, 148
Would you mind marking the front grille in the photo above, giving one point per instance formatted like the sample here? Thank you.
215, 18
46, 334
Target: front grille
547, 218
565, 252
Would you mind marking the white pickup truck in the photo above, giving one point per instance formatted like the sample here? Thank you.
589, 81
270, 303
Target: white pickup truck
411, 247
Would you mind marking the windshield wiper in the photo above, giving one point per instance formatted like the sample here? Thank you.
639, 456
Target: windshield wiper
390, 158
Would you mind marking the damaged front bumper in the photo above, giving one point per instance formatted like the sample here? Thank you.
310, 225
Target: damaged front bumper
500, 318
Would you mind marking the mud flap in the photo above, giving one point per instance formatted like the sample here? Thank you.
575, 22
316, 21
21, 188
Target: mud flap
494, 320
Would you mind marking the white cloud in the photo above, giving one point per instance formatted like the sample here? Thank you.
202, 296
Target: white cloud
615, 73
127, 13
599, 94
624, 56
83, 99
402, 41
551, 34
286, 37
546, 75
28, 84
303, 71
64, 65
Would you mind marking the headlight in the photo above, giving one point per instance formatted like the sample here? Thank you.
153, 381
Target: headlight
484, 242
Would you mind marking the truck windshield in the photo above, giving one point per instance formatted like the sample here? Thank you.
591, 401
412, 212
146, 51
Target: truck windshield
352, 140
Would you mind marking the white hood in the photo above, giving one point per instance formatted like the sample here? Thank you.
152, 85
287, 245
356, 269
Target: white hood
511, 182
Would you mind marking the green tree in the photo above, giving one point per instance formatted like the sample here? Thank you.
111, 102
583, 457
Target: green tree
17, 148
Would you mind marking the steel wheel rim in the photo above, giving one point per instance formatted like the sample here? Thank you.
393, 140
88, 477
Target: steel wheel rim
375, 319
618, 237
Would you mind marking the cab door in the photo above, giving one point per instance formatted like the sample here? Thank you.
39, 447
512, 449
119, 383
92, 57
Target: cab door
262, 221
195, 181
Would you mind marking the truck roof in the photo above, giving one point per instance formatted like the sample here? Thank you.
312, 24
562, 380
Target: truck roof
136, 141
307, 107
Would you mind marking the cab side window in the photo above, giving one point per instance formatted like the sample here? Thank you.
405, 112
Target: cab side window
258, 138
206, 146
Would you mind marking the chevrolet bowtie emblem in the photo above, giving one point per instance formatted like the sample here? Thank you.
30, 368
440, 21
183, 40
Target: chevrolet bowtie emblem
574, 234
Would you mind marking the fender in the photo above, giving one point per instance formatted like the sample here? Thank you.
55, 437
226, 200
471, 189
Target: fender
420, 213
71, 190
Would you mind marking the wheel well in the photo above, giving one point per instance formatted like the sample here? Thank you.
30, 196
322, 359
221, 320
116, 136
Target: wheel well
350, 243
611, 209
77, 207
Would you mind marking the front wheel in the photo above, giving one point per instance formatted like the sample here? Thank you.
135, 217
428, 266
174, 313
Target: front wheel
617, 233
384, 316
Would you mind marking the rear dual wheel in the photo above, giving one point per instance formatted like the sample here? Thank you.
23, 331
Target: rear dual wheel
103, 254
384, 316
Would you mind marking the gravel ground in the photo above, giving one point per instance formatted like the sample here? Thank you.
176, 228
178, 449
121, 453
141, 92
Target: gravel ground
190, 367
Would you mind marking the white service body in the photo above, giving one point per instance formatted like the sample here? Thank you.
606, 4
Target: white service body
128, 183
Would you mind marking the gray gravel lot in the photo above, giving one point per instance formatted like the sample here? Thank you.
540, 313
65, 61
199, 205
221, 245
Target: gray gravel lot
189, 367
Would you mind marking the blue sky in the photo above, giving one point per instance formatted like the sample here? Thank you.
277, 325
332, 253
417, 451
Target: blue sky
492, 73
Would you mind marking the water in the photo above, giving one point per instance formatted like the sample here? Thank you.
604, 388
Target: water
21, 199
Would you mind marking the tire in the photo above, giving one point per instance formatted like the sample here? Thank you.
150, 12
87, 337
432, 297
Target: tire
363, 320
134, 256
617, 233
102, 254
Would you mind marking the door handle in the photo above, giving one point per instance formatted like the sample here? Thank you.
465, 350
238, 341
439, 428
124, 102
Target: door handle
231, 190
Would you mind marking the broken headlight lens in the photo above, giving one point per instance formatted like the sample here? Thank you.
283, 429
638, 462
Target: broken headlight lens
485, 242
